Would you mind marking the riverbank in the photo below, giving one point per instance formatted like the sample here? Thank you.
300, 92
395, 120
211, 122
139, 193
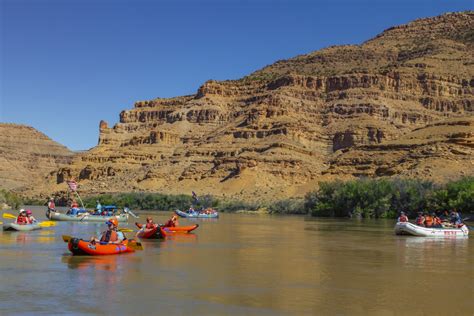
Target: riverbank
365, 198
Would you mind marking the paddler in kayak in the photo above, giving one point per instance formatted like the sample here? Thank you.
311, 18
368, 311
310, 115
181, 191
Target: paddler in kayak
29, 217
22, 218
149, 224
111, 235
172, 222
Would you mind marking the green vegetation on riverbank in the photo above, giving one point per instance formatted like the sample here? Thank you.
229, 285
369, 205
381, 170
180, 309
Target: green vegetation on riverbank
386, 198
9, 199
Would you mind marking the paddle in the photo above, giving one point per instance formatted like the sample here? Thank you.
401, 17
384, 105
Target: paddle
126, 230
9, 216
135, 245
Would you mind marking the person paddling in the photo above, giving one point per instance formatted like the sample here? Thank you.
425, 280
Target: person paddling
51, 205
420, 220
22, 219
149, 224
109, 236
29, 217
172, 222
403, 218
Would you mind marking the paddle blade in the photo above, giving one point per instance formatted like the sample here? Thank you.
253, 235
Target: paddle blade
66, 238
47, 224
135, 245
126, 230
9, 216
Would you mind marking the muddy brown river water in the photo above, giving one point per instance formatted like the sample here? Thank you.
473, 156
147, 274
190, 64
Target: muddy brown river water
241, 265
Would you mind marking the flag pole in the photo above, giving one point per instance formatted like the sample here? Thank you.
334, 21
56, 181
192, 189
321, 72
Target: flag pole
80, 200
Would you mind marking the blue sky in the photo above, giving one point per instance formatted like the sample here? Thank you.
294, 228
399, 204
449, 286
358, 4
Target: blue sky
67, 64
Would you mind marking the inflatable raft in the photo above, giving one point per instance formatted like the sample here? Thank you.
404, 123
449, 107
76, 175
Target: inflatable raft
415, 230
81, 247
84, 217
197, 214
21, 228
180, 229
153, 233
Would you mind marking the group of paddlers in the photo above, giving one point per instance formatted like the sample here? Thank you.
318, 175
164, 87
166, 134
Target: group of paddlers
113, 236
432, 220
25, 218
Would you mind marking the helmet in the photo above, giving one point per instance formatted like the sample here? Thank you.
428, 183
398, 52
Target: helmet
28, 212
22, 211
113, 221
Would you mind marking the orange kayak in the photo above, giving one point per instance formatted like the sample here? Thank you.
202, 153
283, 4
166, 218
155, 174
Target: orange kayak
180, 229
81, 247
153, 233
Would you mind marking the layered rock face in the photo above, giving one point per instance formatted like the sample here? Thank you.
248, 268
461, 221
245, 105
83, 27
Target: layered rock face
27, 157
400, 104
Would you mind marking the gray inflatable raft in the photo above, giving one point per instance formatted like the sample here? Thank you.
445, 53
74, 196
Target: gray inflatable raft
21, 228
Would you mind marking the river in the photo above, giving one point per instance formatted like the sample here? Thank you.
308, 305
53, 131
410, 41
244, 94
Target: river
242, 264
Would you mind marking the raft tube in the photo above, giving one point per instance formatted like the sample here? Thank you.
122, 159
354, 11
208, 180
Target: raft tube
21, 228
196, 214
405, 228
81, 247
180, 229
156, 232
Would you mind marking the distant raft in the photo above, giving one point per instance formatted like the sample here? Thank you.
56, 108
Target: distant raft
195, 214
405, 228
21, 228
82, 215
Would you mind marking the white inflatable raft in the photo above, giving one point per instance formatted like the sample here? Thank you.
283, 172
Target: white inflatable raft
415, 230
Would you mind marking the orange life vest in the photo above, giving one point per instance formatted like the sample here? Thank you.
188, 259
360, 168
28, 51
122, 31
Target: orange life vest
428, 221
109, 236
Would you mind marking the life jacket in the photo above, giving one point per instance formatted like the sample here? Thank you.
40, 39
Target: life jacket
403, 219
170, 223
150, 225
428, 221
21, 220
109, 235
420, 220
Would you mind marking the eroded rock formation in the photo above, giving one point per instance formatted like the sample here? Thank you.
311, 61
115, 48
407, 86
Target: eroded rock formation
399, 104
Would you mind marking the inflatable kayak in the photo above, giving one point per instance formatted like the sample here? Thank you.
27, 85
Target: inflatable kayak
21, 228
153, 233
81, 247
197, 214
84, 217
406, 228
180, 229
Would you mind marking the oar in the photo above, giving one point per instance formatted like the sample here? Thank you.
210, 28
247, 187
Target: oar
125, 230
9, 216
127, 210
66, 238
47, 224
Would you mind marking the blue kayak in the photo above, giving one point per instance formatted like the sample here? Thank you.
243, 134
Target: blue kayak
197, 214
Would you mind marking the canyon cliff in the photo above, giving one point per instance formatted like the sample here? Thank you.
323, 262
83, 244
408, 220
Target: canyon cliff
400, 104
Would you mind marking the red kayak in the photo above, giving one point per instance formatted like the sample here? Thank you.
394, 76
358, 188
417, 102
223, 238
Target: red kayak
156, 232
85, 248
180, 229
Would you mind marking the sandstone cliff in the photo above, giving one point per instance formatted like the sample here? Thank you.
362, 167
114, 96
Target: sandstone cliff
27, 157
400, 104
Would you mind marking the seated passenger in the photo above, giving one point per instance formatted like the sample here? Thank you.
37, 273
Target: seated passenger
29, 217
428, 220
437, 223
420, 220
403, 218
149, 223
456, 218
172, 222
111, 235
22, 219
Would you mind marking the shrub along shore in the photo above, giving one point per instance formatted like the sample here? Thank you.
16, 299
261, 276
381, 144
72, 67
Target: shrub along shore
365, 198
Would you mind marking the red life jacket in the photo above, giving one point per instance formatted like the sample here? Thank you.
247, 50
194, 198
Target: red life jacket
420, 220
403, 219
21, 220
150, 225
